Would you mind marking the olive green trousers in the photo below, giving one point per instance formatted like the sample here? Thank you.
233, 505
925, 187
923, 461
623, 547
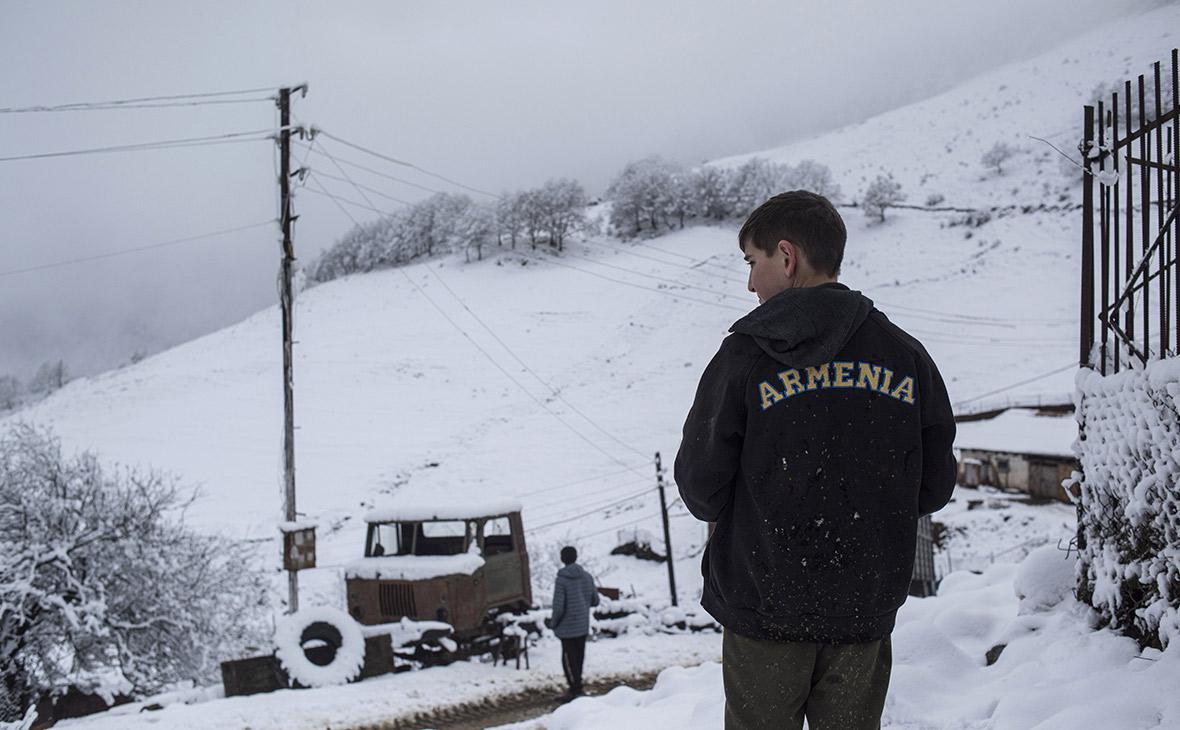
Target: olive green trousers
775, 684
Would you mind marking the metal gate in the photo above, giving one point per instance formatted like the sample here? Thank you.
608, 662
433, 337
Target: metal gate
1131, 283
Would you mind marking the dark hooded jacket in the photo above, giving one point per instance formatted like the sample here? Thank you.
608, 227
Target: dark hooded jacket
820, 433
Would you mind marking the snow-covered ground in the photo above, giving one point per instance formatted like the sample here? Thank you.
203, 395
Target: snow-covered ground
1055, 672
554, 380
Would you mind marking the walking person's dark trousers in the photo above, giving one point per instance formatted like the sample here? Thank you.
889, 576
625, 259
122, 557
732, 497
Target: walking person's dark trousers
573, 652
775, 684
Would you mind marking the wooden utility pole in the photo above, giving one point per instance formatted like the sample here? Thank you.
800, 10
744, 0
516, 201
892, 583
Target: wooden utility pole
667, 532
286, 300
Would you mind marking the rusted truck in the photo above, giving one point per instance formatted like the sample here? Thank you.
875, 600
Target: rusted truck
459, 564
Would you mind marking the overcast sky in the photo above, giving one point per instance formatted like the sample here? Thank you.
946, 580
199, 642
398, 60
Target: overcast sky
498, 95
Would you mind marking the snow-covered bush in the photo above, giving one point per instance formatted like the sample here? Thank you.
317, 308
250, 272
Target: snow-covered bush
1045, 578
102, 586
995, 157
1129, 516
882, 193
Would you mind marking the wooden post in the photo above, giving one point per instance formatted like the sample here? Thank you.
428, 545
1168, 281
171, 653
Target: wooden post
285, 302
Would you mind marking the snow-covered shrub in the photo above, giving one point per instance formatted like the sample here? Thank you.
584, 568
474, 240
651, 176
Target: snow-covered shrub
882, 193
1129, 515
101, 584
935, 199
995, 157
1046, 576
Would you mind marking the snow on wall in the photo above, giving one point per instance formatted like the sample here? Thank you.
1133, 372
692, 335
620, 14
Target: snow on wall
1129, 520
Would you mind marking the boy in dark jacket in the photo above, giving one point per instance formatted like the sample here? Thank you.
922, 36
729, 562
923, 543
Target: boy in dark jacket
574, 595
820, 432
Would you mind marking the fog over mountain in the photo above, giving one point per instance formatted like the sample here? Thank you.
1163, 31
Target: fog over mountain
496, 95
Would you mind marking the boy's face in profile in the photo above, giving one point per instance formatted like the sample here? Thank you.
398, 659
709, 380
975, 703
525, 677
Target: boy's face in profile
769, 274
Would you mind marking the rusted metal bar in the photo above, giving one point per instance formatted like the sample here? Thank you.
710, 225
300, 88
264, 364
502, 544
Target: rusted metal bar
1159, 194
1175, 191
1104, 228
1086, 343
1129, 334
1114, 199
1145, 210
1146, 128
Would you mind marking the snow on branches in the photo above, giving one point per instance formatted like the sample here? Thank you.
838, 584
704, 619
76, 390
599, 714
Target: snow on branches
102, 587
1129, 520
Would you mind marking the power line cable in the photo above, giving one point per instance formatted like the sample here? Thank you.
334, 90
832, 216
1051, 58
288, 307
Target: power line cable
499, 367
339, 199
138, 100
567, 500
1017, 385
633, 284
556, 394
362, 186
664, 279
578, 482
596, 510
123, 252
321, 190
403, 163
153, 105
162, 144
320, 151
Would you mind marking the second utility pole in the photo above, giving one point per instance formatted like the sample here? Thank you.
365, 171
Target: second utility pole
667, 532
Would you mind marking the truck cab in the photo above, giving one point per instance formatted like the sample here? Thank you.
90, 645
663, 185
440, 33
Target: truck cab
449, 563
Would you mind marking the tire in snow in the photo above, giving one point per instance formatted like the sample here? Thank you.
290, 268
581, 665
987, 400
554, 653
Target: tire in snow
332, 627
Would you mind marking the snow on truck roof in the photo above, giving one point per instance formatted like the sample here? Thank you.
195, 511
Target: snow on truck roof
422, 511
413, 567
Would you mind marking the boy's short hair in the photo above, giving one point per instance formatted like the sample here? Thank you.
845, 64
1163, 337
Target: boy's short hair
806, 219
569, 555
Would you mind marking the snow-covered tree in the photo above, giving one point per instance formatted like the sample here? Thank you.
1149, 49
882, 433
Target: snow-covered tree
755, 181
509, 221
882, 193
995, 157
10, 392
706, 187
101, 582
814, 177
51, 376
472, 229
563, 206
641, 195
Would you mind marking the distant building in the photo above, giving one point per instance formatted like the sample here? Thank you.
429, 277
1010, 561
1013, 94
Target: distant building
1019, 449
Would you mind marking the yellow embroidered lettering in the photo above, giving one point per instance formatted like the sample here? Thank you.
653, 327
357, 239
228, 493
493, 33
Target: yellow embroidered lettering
904, 390
868, 376
770, 396
791, 383
885, 383
820, 374
843, 374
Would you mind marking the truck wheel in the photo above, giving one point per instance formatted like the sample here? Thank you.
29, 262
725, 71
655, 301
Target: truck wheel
338, 652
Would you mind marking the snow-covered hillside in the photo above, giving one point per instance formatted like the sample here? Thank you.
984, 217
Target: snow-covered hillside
554, 380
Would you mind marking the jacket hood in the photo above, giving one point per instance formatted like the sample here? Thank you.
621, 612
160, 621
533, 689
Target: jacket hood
806, 327
571, 571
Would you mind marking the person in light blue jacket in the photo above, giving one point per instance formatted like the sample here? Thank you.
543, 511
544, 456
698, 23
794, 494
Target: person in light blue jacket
574, 595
